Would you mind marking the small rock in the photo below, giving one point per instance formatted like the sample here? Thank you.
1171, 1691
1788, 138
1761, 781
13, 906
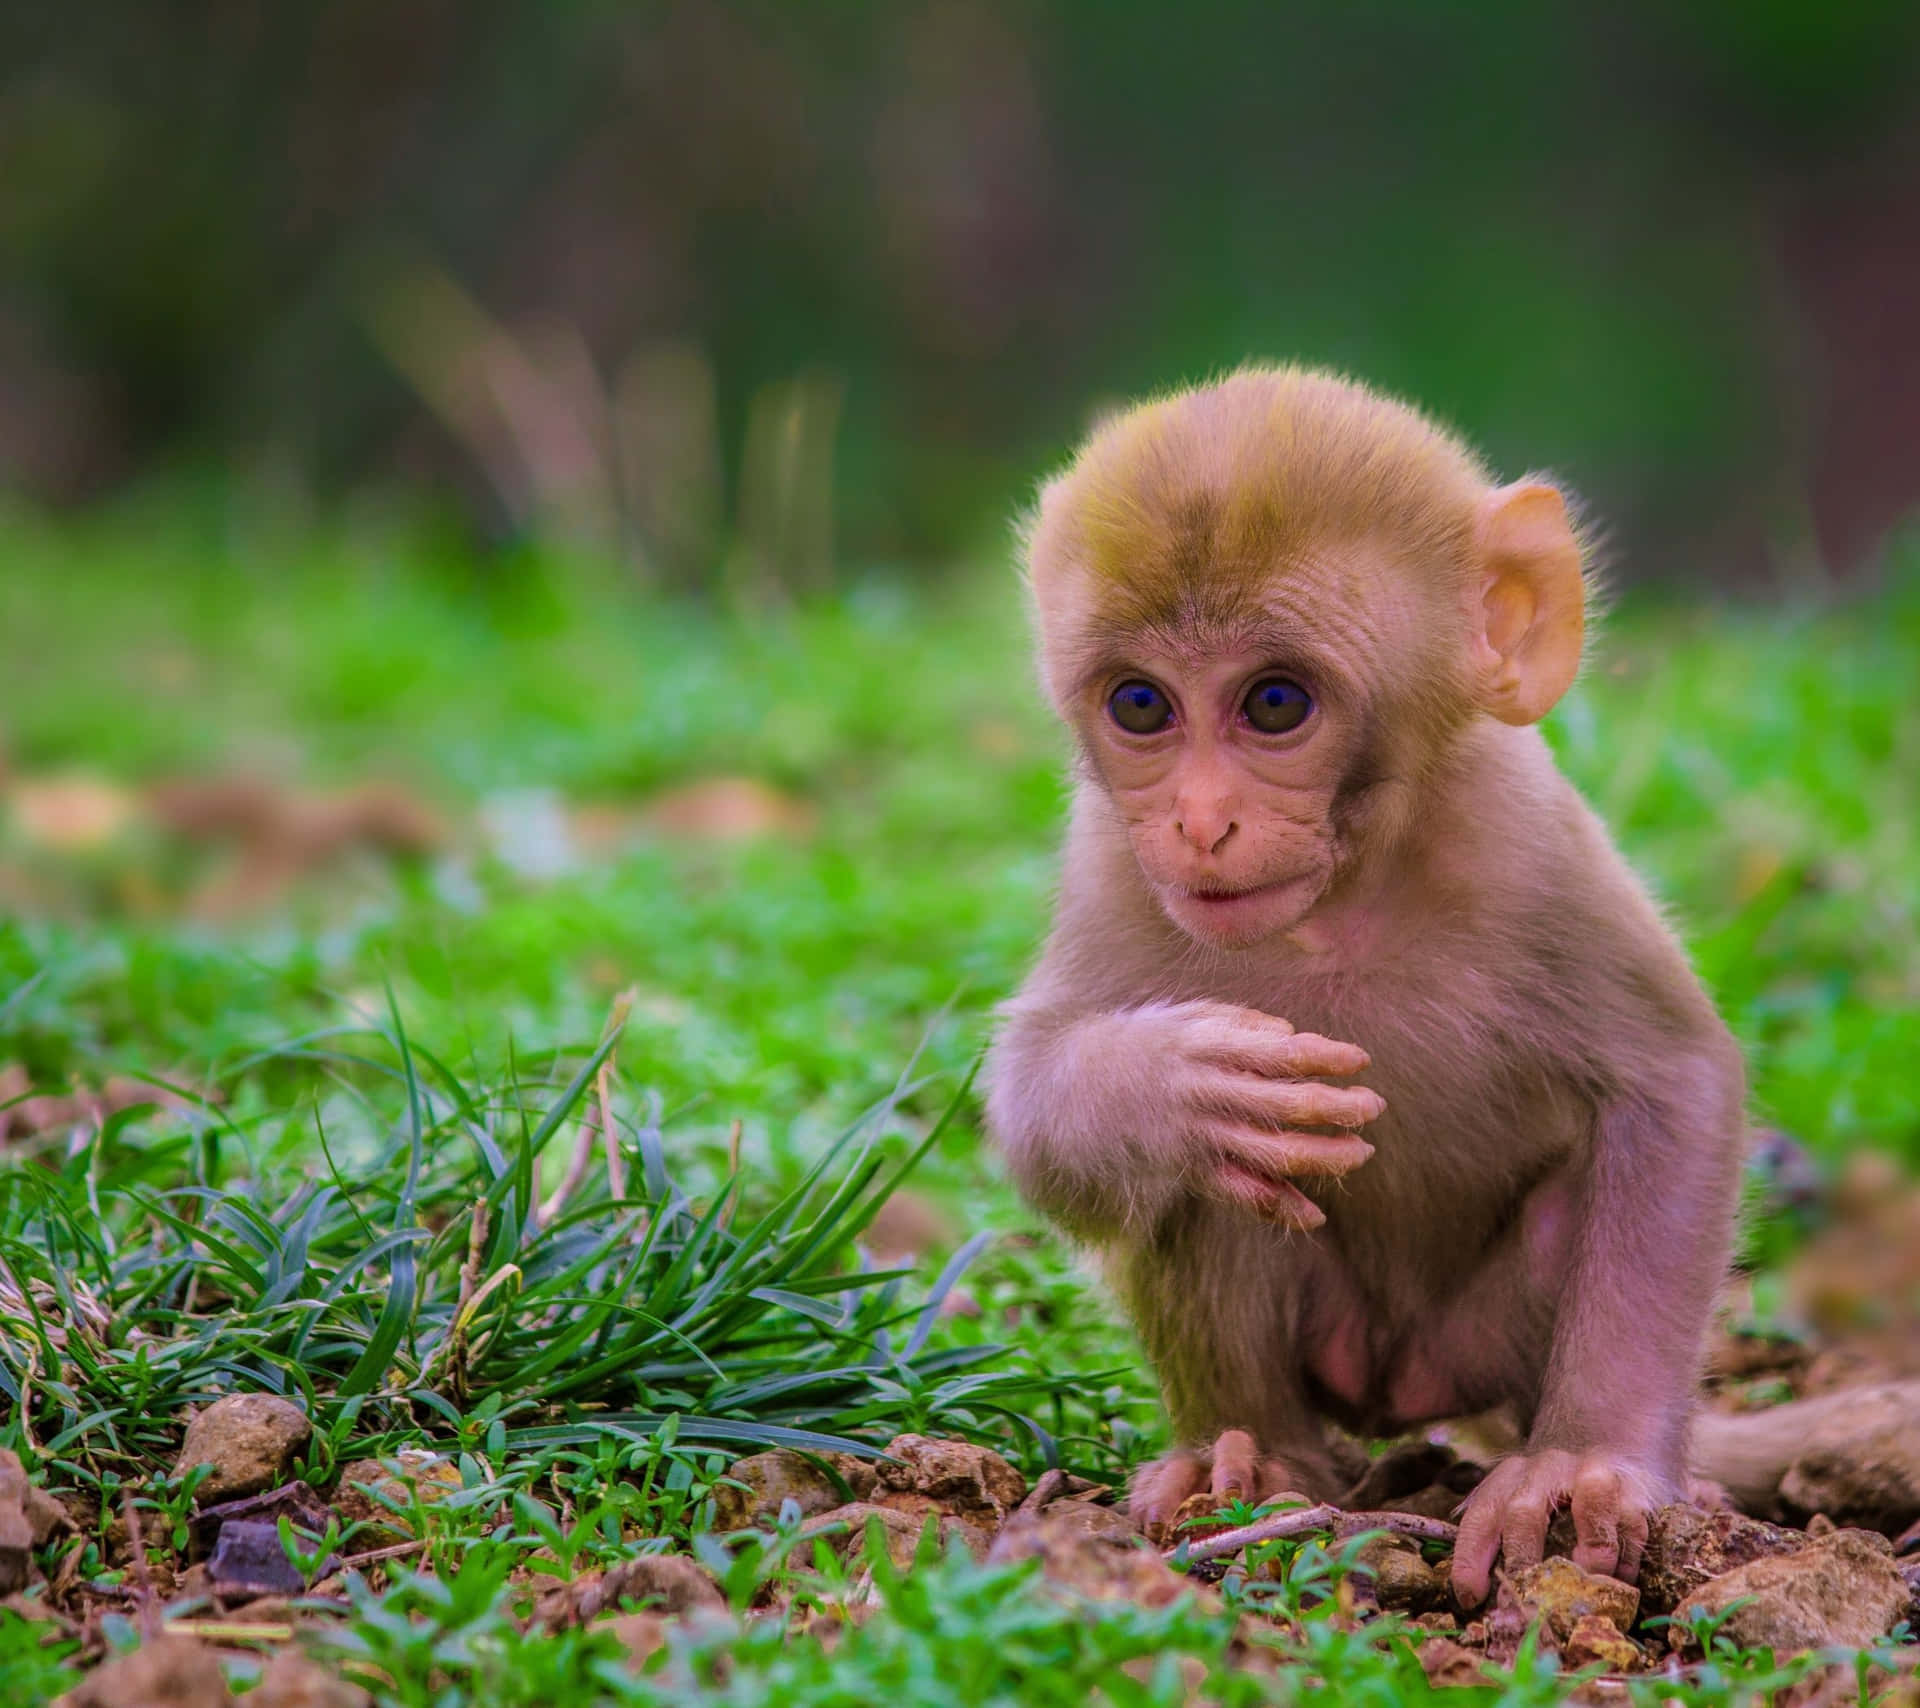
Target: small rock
16, 1529
664, 1583
169, 1672
1560, 1594
902, 1531
1104, 1567
640, 1634
250, 1559
250, 1440
1063, 1519
948, 1476
769, 1480
368, 1486
292, 1680
1687, 1548
1400, 1471
1594, 1641
905, 1228
1842, 1589
1403, 1580
1450, 1665
294, 1501
1861, 1465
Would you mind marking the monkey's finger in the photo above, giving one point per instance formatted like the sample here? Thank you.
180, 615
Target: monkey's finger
1523, 1532
1269, 1200
1478, 1545
1597, 1519
1634, 1528
1291, 1102
1302, 1055
1233, 1466
1280, 1156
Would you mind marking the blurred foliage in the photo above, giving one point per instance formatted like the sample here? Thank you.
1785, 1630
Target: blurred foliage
705, 277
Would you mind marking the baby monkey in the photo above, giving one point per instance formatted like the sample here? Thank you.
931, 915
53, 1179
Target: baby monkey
1323, 878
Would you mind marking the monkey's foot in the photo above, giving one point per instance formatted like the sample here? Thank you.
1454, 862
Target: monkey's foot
1508, 1514
1232, 1469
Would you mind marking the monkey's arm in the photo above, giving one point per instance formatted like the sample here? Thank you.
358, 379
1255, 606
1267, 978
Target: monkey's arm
1609, 1433
1107, 1118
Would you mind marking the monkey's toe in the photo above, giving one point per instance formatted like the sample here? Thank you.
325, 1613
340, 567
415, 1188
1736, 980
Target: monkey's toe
1161, 1489
1232, 1469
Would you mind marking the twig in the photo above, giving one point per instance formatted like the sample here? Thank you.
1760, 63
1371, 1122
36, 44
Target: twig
609, 1133
227, 1631
1050, 1487
142, 1572
733, 1172
598, 1120
476, 1251
373, 1556
1302, 1521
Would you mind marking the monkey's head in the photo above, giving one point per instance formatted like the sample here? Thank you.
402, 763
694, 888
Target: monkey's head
1269, 609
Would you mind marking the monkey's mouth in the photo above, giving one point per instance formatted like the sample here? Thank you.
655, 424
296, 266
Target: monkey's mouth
1236, 917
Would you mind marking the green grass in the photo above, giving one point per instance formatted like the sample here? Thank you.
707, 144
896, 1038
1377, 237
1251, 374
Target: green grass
401, 1047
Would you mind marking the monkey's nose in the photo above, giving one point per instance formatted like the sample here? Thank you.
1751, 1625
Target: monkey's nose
1205, 832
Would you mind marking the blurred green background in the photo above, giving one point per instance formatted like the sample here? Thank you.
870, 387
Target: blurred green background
762, 288
540, 409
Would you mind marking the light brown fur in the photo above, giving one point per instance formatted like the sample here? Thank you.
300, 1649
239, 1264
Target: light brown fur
1541, 1207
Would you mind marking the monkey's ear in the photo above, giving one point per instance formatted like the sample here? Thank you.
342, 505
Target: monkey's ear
1532, 611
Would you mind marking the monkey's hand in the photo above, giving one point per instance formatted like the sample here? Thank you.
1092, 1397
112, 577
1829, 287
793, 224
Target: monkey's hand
1244, 1087
1508, 1515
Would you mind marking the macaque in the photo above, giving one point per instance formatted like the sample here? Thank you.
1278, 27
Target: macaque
1356, 1047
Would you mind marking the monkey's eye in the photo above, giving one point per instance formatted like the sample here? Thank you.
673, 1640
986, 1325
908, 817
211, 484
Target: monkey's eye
1139, 708
1276, 704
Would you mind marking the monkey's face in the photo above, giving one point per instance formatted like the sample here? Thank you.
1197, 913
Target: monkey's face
1225, 768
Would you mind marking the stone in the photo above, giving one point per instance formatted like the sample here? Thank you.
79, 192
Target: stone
1450, 1665
666, 1584
1063, 1519
16, 1529
249, 1559
370, 1489
1400, 1471
1403, 1580
169, 1672
1595, 1641
956, 1477
845, 1530
292, 1680
769, 1480
639, 1634
1102, 1567
250, 1440
1842, 1589
1687, 1548
1861, 1463
1560, 1594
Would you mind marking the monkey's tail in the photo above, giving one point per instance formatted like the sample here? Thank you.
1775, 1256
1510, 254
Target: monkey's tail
1747, 1453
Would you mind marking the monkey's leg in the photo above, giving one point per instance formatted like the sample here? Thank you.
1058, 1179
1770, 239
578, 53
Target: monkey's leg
1608, 1435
